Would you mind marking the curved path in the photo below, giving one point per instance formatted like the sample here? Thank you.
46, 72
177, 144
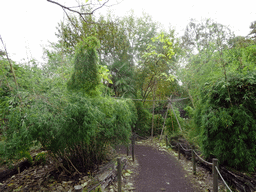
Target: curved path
159, 171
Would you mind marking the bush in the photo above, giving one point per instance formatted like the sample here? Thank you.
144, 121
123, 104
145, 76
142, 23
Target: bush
72, 128
228, 124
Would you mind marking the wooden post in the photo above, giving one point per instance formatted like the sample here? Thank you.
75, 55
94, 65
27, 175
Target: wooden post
128, 150
78, 188
193, 161
119, 174
133, 142
166, 141
215, 175
179, 151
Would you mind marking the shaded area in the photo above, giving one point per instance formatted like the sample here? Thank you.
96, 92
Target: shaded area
158, 171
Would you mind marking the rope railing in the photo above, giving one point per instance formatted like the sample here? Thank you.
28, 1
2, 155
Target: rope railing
215, 171
202, 158
184, 148
222, 179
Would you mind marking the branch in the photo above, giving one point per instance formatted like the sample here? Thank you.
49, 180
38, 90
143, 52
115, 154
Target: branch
10, 63
72, 10
99, 7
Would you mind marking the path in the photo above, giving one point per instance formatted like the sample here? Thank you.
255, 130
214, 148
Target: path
159, 171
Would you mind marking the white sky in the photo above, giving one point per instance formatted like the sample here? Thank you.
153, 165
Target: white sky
27, 25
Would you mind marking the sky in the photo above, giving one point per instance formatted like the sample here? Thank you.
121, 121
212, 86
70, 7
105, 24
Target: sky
26, 26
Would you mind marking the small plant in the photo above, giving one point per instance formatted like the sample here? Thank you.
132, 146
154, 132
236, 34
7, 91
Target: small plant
27, 155
41, 158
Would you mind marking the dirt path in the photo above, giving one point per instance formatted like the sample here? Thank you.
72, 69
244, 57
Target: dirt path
158, 171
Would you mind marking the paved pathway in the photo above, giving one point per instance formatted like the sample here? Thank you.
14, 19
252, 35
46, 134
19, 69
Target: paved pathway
159, 171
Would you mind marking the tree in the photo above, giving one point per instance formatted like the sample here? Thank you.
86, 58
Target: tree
121, 45
83, 10
203, 44
253, 30
154, 66
85, 77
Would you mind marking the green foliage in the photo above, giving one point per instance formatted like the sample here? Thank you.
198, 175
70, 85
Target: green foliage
85, 77
143, 124
172, 126
253, 30
158, 124
26, 155
228, 126
190, 111
40, 158
71, 127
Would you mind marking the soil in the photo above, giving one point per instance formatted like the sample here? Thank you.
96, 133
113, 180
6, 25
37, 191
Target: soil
155, 168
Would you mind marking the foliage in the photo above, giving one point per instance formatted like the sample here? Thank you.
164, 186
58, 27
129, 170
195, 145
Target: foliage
144, 122
142, 126
40, 158
172, 125
190, 111
155, 69
228, 128
158, 124
85, 77
253, 30
74, 128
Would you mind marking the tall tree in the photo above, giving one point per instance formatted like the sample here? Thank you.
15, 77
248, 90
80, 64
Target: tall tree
252, 33
203, 44
85, 77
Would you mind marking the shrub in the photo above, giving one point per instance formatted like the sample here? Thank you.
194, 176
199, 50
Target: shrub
228, 124
72, 128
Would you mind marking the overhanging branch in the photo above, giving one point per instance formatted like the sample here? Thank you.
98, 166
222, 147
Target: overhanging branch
78, 12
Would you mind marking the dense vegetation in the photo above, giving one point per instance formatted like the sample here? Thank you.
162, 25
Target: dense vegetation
102, 80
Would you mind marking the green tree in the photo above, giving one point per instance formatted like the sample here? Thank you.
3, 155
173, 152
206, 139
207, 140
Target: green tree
85, 77
252, 33
203, 44
155, 66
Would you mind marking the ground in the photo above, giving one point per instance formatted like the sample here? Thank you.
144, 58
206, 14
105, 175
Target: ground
156, 168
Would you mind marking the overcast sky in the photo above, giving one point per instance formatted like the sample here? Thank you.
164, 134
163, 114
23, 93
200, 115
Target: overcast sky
27, 25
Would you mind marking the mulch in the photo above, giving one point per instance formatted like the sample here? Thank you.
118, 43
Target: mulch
158, 171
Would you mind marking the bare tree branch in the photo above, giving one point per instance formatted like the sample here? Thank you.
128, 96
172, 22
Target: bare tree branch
78, 12
82, 14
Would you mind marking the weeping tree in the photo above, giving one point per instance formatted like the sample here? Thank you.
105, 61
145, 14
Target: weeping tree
85, 76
